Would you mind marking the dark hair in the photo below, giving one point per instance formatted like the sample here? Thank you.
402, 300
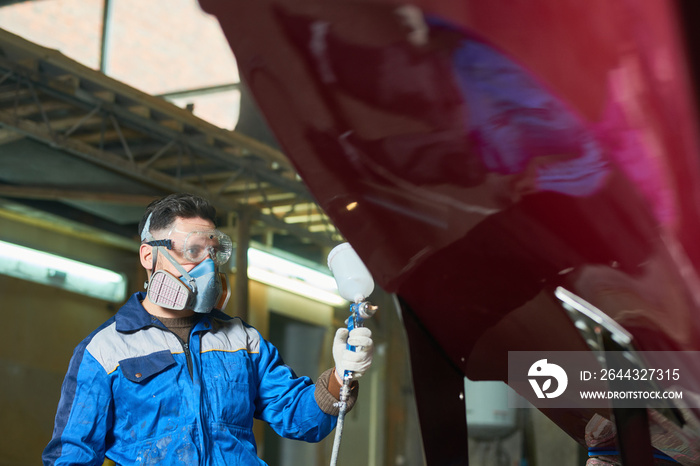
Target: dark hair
165, 210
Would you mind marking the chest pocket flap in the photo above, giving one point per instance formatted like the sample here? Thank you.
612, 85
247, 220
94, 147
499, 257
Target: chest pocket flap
142, 368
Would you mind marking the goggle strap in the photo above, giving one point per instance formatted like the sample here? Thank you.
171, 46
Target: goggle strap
166, 243
146, 232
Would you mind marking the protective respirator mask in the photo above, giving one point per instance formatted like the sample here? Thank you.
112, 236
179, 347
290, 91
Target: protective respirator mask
201, 289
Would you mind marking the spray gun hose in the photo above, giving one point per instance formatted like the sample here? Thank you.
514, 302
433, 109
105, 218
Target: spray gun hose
358, 312
343, 406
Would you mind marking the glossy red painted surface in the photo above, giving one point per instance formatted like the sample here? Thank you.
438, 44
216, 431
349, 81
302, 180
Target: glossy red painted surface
477, 154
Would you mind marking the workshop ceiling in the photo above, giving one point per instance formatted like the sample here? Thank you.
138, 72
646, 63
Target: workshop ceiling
78, 144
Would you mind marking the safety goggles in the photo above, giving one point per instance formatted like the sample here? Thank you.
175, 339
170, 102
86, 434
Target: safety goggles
195, 246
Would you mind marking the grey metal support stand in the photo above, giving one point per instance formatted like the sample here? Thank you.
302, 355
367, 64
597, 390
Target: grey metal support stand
632, 424
615, 348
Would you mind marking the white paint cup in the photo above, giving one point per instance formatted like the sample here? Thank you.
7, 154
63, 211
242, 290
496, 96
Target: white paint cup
354, 281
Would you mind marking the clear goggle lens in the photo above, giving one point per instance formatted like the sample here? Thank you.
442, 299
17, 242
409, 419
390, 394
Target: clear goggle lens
199, 245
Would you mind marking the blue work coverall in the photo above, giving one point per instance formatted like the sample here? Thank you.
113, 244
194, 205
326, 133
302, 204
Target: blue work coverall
137, 394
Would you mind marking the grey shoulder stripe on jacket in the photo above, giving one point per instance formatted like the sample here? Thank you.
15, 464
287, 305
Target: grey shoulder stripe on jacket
109, 346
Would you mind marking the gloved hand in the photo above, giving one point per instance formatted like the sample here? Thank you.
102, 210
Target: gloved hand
357, 361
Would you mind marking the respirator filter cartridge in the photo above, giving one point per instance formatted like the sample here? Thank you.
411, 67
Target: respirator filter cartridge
166, 290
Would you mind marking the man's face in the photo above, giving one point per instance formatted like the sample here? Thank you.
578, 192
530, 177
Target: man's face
178, 233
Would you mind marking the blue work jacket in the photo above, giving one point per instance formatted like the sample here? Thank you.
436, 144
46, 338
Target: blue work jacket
137, 394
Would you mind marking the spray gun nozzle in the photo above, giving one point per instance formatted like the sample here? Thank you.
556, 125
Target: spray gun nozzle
367, 310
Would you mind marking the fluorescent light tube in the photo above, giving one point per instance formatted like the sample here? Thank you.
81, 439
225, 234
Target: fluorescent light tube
52, 270
290, 276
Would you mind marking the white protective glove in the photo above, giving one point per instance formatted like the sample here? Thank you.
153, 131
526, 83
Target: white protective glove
357, 361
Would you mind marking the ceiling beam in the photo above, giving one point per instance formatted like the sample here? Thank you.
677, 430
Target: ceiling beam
39, 218
24, 192
115, 126
7, 136
148, 176
90, 77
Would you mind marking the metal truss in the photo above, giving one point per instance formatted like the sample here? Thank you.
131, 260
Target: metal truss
52, 99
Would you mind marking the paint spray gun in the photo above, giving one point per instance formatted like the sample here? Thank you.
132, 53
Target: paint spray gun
354, 284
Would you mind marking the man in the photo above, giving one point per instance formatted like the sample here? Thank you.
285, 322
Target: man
170, 379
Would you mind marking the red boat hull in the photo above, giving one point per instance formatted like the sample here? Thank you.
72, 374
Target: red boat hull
479, 154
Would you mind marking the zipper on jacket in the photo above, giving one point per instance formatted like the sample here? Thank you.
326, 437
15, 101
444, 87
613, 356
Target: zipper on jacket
185, 347
188, 355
